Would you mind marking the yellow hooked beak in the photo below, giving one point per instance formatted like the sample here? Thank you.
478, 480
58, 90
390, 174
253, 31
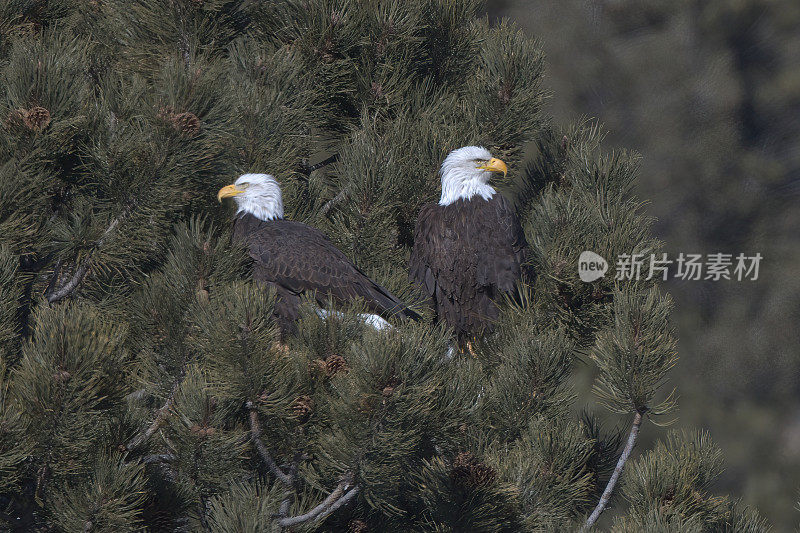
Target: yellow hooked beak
228, 191
495, 165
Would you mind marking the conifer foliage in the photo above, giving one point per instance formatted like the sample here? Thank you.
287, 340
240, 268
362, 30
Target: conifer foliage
143, 386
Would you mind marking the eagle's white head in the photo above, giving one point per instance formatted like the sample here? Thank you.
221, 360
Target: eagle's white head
466, 173
257, 194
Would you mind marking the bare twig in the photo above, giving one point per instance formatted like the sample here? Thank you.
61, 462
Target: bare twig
203, 512
80, 272
255, 436
41, 477
72, 284
308, 169
136, 395
330, 204
286, 504
161, 414
334, 501
288, 498
626, 453
340, 502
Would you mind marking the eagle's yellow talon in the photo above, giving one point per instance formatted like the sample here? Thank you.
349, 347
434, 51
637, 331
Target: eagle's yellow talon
281, 347
471, 350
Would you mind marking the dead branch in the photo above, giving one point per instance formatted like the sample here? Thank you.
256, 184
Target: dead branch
626, 453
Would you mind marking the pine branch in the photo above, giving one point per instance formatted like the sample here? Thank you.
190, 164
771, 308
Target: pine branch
335, 500
203, 512
161, 414
606, 496
308, 169
136, 395
41, 477
286, 503
77, 277
70, 285
341, 502
330, 204
255, 436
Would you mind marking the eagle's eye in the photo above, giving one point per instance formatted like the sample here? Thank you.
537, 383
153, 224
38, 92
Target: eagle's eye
481, 162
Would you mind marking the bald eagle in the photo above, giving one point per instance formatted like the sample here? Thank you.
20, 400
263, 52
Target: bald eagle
297, 259
469, 248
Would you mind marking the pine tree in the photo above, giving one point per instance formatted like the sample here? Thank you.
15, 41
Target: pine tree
721, 180
141, 379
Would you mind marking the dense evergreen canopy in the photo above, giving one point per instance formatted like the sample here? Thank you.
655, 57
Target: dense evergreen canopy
141, 384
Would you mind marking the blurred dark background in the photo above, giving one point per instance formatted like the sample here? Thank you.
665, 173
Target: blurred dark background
709, 94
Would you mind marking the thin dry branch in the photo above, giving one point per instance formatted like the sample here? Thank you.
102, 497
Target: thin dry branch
340, 502
255, 436
626, 453
289, 496
72, 284
330, 204
335, 500
308, 169
161, 414
80, 272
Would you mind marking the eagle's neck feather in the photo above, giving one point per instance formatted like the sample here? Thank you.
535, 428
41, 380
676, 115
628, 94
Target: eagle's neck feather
265, 206
463, 184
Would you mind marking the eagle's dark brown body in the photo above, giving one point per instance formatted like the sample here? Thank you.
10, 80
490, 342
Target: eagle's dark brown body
297, 259
466, 256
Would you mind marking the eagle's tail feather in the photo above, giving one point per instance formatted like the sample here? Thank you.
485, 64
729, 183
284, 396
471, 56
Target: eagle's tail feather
391, 305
